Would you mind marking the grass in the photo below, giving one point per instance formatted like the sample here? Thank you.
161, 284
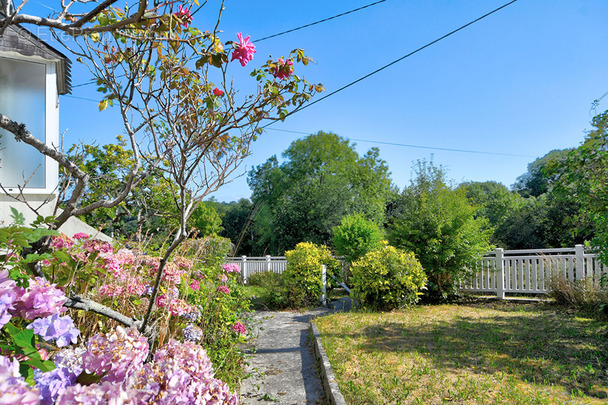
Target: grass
476, 353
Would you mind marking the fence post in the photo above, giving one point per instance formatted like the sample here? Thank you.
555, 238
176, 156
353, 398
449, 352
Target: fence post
579, 252
324, 279
267, 263
244, 268
500, 274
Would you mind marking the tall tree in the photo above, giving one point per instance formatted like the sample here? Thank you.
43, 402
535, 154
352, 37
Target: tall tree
585, 175
494, 200
322, 180
537, 179
438, 224
173, 87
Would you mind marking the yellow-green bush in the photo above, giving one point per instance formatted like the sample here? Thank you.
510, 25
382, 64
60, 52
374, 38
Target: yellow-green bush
303, 275
388, 278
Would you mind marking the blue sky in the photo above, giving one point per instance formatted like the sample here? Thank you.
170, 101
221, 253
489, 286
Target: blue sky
520, 82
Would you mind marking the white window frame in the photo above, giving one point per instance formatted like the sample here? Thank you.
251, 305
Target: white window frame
51, 128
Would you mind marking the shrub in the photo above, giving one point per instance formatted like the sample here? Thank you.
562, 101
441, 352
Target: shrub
355, 237
302, 278
388, 278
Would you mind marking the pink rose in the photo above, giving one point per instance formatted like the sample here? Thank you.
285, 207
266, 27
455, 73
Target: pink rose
244, 50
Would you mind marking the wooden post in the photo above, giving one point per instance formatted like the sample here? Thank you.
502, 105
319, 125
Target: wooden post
244, 268
579, 252
267, 263
324, 279
500, 273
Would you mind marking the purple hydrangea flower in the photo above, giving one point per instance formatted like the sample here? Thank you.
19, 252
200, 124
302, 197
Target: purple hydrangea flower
53, 383
148, 290
193, 316
192, 332
40, 300
70, 358
58, 328
13, 388
8, 295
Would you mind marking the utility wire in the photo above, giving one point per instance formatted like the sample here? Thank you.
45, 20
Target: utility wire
278, 34
415, 146
318, 22
398, 60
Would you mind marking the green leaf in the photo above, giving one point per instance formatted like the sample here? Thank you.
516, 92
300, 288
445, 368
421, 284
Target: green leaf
23, 339
17, 217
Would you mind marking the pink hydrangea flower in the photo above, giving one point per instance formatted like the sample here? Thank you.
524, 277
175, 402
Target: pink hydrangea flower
195, 285
97, 246
223, 278
118, 354
41, 299
231, 268
179, 307
184, 15
80, 236
161, 300
110, 290
61, 242
98, 394
172, 273
284, 69
13, 388
223, 289
239, 328
244, 50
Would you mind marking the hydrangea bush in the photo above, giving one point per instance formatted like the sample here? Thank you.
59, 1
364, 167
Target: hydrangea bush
43, 359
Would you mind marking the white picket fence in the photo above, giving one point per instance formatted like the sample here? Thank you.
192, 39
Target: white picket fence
529, 271
500, 271
255, 265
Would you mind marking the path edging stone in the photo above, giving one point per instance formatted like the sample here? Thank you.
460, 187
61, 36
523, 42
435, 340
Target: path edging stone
332, 390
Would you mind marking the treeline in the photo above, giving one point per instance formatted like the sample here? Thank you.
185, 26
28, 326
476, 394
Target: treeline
561, 200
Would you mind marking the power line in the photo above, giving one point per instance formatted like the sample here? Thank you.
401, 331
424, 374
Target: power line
81, 98
416, 146
275, 35
318, 22
399, 60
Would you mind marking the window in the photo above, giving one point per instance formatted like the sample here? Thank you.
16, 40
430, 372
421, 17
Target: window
23, 99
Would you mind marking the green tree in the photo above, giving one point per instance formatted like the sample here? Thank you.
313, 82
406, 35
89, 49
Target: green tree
205, 220
494, 200
584, 175
438, 224
322, 180
537, 179
355, 237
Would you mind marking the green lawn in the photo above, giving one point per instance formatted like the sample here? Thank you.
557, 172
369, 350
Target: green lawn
483, 353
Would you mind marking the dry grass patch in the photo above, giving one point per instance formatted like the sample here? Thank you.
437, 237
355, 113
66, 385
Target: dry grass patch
468, 354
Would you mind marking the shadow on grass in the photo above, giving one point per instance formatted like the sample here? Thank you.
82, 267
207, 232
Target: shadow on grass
540, 346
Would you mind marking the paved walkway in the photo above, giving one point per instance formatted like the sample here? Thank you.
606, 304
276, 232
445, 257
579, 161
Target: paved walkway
282, 362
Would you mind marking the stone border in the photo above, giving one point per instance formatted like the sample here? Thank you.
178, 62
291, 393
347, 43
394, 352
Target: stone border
327, 374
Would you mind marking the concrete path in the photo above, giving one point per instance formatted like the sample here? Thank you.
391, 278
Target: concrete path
282, 362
